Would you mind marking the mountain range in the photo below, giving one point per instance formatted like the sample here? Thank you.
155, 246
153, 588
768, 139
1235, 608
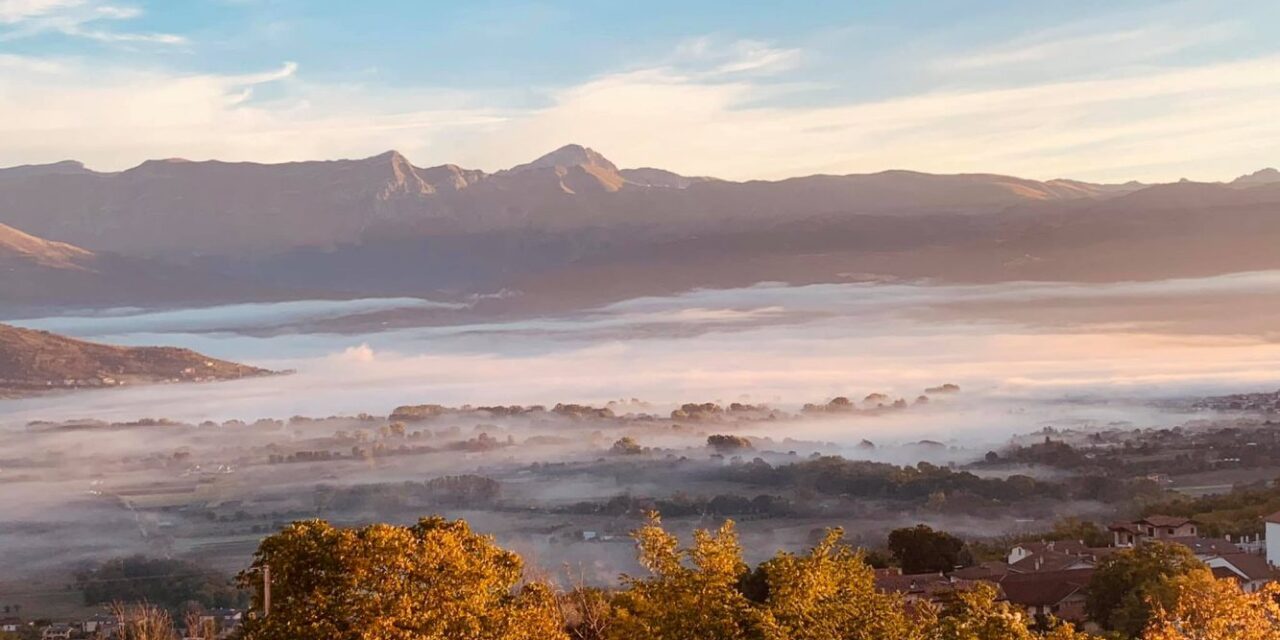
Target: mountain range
169, 230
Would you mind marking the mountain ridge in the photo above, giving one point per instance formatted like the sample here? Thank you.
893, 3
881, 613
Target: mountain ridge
183, 208
175, 231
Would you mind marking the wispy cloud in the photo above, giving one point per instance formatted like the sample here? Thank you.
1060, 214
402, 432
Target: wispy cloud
1084, 44
708, 56
709, 107
75, 18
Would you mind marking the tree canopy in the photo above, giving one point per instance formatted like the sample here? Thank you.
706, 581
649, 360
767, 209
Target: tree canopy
920, 549
159, 581
1204, 608
436, 580
1129, 585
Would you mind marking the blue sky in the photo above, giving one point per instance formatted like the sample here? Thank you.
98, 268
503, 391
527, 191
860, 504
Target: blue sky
1095, 90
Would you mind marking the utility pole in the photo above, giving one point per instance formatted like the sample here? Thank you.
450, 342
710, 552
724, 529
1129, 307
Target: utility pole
266, 590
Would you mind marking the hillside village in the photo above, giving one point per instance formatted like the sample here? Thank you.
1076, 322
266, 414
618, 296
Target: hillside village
1051, 578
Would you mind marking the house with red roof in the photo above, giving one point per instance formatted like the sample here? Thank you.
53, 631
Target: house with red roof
1057, 593
1154, 527
1252, 571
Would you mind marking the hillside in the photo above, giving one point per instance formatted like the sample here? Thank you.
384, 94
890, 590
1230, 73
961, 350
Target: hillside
36, 273
16, 245
38, 361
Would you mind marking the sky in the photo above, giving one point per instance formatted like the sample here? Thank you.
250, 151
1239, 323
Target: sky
1103, 91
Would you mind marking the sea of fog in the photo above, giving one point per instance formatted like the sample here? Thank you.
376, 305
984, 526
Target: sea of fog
1019, 360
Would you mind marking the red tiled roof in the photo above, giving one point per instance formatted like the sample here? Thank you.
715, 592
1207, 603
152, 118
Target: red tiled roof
1044, 588
1064, 546
993, 570
1199, 545
1166, 521
1131, 527
1047, 561
1254, 567
1274, 518
1223, 573
907, 583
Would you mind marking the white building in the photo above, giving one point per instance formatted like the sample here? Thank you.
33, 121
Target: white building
1273, 539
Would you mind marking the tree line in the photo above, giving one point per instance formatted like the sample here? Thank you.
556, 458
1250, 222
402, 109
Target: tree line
439, 580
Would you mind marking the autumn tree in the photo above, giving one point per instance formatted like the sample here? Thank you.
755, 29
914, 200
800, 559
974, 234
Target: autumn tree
1126, 587
1205, 608
1086, 531
586, 612
978, 614
830, 594
728, 443
690, 593
435, 580
626, 446
920, 549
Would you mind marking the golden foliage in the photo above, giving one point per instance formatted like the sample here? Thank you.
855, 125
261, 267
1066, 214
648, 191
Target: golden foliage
691, 593
977, 614
1206, 608
438, 580
435, 580
830, 594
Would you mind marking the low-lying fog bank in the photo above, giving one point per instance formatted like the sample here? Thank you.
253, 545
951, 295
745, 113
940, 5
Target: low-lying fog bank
768, 343
563, 483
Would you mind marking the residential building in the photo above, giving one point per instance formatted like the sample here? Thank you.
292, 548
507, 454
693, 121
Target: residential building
1252, 571
101, 625
1206, 547
918, 587
1057, 593
1028, 549
1155, 527
57, 631
223, 621
1273, 539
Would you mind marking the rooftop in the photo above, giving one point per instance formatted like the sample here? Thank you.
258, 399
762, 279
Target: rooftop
1044, 588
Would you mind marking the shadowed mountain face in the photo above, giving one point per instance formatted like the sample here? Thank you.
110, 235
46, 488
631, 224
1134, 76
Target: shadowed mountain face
572, 220
37, 361
39, 273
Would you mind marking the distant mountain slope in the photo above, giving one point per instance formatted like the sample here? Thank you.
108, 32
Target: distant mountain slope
38, 273
36, 361
1261, 176
16, 245
181, 208
650, 177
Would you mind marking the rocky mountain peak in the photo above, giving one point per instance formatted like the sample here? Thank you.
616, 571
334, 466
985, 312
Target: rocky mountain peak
570, 155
